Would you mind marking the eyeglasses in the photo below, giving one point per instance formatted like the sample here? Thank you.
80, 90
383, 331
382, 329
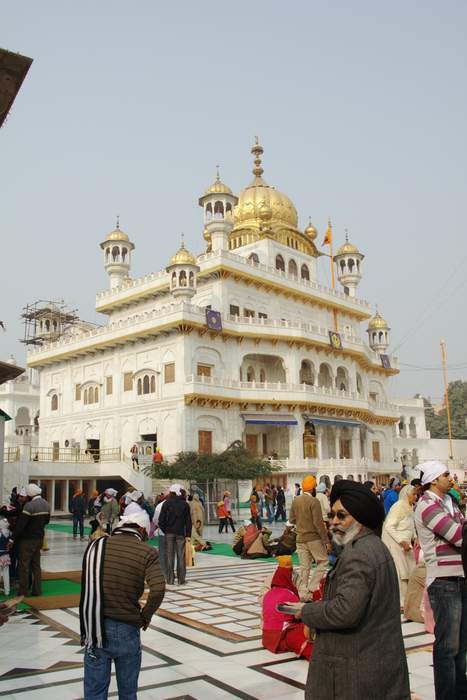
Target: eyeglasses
340, 515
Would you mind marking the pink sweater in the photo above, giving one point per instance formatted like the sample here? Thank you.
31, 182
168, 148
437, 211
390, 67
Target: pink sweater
439, 530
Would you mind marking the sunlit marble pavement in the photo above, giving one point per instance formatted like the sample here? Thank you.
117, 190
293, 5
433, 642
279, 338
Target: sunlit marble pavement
209, 649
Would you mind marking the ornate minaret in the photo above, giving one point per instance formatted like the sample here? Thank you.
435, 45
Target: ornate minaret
218, 202
348, 260
378, 333
117, 249
183, 271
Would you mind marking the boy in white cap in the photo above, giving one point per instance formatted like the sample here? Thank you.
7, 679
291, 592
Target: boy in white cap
439, 525
28, 534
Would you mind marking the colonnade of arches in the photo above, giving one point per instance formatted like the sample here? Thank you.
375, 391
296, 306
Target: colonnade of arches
325, 377
116, 254
146, 384
292, 268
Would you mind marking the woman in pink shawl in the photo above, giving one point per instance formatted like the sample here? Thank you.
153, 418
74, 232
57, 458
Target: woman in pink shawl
282, 632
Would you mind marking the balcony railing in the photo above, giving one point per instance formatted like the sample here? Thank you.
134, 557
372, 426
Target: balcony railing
77, 455
11, 454
333, 464
307, 390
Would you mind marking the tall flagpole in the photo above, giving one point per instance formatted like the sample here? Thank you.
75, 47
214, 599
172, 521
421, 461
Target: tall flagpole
446, 396
333, 276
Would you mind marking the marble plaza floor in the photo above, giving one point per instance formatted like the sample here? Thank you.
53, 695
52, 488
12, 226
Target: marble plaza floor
204, 644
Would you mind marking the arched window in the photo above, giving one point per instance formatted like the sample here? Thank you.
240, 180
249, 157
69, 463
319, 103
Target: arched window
253, 258
96, 394
305, 272
107, 254
280, 265
341, 379
228, 208
174, 279
85, 397
182, 279
124, 254
324, 376
153, 384
342, 264
381, 336
55, 325
54, 402
262, 376
307, 374
145, 384
219, 208
351, 264
208, 210
47, 326
192, 279
91, 395
140, 387
293, 268
250, 374
115, 253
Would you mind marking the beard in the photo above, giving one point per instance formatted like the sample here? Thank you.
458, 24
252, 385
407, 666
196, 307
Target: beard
342, 537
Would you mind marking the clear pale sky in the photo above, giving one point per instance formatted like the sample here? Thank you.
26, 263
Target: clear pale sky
361, 108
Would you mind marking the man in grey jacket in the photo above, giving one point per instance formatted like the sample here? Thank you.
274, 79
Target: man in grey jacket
359, 651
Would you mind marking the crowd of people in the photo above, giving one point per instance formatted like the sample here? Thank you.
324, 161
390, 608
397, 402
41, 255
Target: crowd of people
366, 554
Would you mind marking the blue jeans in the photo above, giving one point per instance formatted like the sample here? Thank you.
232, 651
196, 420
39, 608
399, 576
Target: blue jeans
123, 645
78, 519
448, 598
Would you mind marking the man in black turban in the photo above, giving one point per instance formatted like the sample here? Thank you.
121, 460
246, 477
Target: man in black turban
360, 502
358, 626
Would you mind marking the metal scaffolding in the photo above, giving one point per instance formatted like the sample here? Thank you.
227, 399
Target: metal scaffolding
46, 321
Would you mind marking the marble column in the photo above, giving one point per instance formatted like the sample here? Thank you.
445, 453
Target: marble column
337, 437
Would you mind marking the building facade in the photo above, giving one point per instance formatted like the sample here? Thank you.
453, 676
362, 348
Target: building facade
238, 343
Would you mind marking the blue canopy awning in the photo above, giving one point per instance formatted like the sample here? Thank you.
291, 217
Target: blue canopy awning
341, 422
265, 419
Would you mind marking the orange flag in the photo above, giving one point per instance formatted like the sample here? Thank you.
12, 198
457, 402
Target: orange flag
328, 235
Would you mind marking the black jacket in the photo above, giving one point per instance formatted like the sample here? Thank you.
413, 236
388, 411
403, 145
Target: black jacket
32, 521
175, 518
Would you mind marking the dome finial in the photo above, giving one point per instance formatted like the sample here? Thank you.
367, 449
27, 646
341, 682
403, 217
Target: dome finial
182, 238
257, 150
346, 235
117, 226
218, 177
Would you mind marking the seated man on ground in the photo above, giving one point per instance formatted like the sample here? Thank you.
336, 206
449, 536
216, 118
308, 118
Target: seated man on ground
197, 541
281, 632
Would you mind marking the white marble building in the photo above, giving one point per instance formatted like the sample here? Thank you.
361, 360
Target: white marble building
155, 373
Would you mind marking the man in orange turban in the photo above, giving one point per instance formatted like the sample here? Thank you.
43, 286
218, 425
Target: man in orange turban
312, 537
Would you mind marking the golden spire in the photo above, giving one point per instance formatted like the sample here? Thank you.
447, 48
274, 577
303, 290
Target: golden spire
117, 227
257, 150
218, 177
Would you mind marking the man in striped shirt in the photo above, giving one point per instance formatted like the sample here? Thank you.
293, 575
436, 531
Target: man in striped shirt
439, 526
115, 570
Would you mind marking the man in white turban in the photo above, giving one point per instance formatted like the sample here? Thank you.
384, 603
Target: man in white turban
28, 534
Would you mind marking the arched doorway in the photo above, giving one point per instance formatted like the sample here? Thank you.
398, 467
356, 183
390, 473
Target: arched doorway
309, 441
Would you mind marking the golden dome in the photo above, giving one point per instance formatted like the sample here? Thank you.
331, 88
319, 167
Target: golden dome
117, 235
348, 248
218, 187
311, 231
377, 323
259, 197
183, 257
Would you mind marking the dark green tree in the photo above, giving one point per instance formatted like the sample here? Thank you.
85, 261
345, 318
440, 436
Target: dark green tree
437, 423
234, 463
